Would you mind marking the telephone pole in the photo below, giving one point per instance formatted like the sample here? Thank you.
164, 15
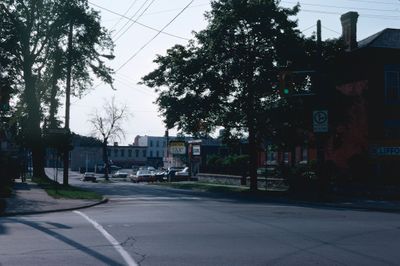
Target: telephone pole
67, 104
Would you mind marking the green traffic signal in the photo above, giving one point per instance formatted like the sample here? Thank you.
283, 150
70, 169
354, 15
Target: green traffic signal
286, 91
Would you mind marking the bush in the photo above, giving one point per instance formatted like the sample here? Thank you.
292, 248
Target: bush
233, 164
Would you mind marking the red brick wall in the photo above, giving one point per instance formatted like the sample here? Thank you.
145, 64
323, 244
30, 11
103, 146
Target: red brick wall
354, 135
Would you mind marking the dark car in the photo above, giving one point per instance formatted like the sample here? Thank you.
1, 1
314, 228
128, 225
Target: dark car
160, 176
171, 172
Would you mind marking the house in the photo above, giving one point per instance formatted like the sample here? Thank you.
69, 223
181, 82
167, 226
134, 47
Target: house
370, 72
368, 144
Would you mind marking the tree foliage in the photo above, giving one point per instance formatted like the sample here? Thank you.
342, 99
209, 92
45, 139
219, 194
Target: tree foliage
34, 36
227, 77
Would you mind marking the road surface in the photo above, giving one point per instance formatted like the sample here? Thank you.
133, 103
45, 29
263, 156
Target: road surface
149, 225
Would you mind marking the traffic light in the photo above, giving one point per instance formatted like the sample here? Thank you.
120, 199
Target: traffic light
285, 83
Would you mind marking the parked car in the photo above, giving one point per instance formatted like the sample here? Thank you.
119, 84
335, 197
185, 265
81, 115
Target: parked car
120, 174
183, 172
89, 176
172, 170
160, 176
142, 176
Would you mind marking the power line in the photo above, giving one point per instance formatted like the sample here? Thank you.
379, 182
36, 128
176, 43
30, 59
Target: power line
330, 30
341, 7
126, 12
133, 22
308, 28
172, 10
373, 2
363, 15
155, 36
137, 22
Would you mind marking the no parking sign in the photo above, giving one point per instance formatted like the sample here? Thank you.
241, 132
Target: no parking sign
320, 121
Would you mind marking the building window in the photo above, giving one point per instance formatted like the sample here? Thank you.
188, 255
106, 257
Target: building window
151, 143
151, 154
304, 154
115, 152
271, 156
122, 153
109, 152
392, 84
144, 153
158, 154
286, 157
157, 144
129, 153
137, 153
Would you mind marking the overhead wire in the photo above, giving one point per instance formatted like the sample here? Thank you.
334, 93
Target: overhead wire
172, 10
308, 28
137, 22
340, 7
126, 12
330, 29
133, 22
372, 2
155, 36
363, 15
131, 18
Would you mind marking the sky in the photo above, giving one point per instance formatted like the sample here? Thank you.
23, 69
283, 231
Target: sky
136, 46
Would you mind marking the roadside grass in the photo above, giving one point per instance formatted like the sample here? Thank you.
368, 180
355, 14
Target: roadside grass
5, 191
205, 187
59, 191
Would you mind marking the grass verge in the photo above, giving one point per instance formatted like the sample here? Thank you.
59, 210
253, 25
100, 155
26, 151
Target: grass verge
205, 187
58, 191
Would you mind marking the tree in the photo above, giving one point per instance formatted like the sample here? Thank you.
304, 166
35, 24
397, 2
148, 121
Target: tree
36, 34
107, 126
228, 75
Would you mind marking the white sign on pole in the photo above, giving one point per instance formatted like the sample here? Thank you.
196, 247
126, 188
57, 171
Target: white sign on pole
196, 150
320, 121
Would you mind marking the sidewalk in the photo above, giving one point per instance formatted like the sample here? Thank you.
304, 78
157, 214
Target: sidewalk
29, 198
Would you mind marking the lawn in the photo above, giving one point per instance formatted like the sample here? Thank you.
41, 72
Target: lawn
58, 191
206, 187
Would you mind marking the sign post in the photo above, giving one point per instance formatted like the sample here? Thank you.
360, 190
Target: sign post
320, 121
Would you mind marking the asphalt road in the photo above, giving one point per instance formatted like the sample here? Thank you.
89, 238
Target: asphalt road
149, 225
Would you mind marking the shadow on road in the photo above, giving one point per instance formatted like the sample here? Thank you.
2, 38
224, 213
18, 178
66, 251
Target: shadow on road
89, 251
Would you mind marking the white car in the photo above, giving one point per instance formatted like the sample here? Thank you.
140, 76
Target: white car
183, 172
120, 174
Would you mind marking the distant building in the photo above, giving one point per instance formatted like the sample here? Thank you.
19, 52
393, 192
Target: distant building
156, 148
127, 156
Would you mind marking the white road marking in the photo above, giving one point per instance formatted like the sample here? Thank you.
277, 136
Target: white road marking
125, 255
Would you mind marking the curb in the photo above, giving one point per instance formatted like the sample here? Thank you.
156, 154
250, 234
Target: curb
103, 201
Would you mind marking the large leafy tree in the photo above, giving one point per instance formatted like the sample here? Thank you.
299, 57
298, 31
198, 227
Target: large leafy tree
228, 75
37, 34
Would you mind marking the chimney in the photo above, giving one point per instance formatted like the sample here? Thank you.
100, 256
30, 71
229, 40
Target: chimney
115, 144
349, 28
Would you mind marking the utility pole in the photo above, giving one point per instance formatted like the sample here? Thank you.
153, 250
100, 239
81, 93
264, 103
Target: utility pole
67, 103
320, 94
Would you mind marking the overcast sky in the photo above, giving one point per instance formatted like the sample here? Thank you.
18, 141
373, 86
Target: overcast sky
136, 57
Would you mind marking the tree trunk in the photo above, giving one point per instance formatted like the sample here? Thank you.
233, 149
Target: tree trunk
253, 157
33, 132
53, 93
105, 159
